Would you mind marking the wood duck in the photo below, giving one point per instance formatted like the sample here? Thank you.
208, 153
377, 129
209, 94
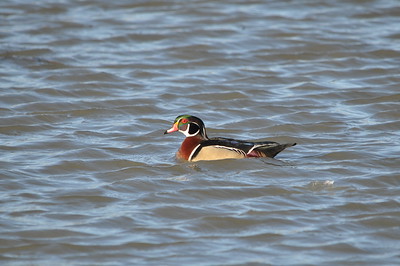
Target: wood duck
197, 146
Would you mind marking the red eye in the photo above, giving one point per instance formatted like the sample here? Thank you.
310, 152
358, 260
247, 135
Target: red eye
184, 120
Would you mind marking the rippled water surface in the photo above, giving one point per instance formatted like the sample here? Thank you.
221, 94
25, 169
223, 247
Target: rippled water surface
88, 88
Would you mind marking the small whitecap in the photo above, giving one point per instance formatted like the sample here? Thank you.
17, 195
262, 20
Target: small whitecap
320, 185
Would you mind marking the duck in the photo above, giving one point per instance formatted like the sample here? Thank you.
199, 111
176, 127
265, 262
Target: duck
197, 146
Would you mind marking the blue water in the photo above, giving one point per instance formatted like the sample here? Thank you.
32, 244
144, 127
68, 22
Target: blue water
88, 88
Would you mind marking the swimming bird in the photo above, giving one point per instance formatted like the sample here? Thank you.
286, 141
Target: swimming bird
198, 146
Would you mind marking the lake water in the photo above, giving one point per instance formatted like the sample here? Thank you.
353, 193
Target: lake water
88, 88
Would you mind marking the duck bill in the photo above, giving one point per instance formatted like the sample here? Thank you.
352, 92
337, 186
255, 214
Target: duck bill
172, 129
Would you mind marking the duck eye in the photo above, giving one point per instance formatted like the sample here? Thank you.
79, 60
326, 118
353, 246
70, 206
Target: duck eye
184, 120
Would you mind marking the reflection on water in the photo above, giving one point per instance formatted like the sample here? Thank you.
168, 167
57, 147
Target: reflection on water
89, 88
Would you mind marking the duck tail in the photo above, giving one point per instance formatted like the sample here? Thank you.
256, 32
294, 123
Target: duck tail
272, 151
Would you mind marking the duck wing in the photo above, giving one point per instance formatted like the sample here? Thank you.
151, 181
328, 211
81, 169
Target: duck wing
220, 148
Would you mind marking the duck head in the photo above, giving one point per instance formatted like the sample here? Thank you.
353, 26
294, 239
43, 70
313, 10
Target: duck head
188, 125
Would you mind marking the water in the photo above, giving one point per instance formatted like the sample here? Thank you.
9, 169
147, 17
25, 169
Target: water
89, 87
